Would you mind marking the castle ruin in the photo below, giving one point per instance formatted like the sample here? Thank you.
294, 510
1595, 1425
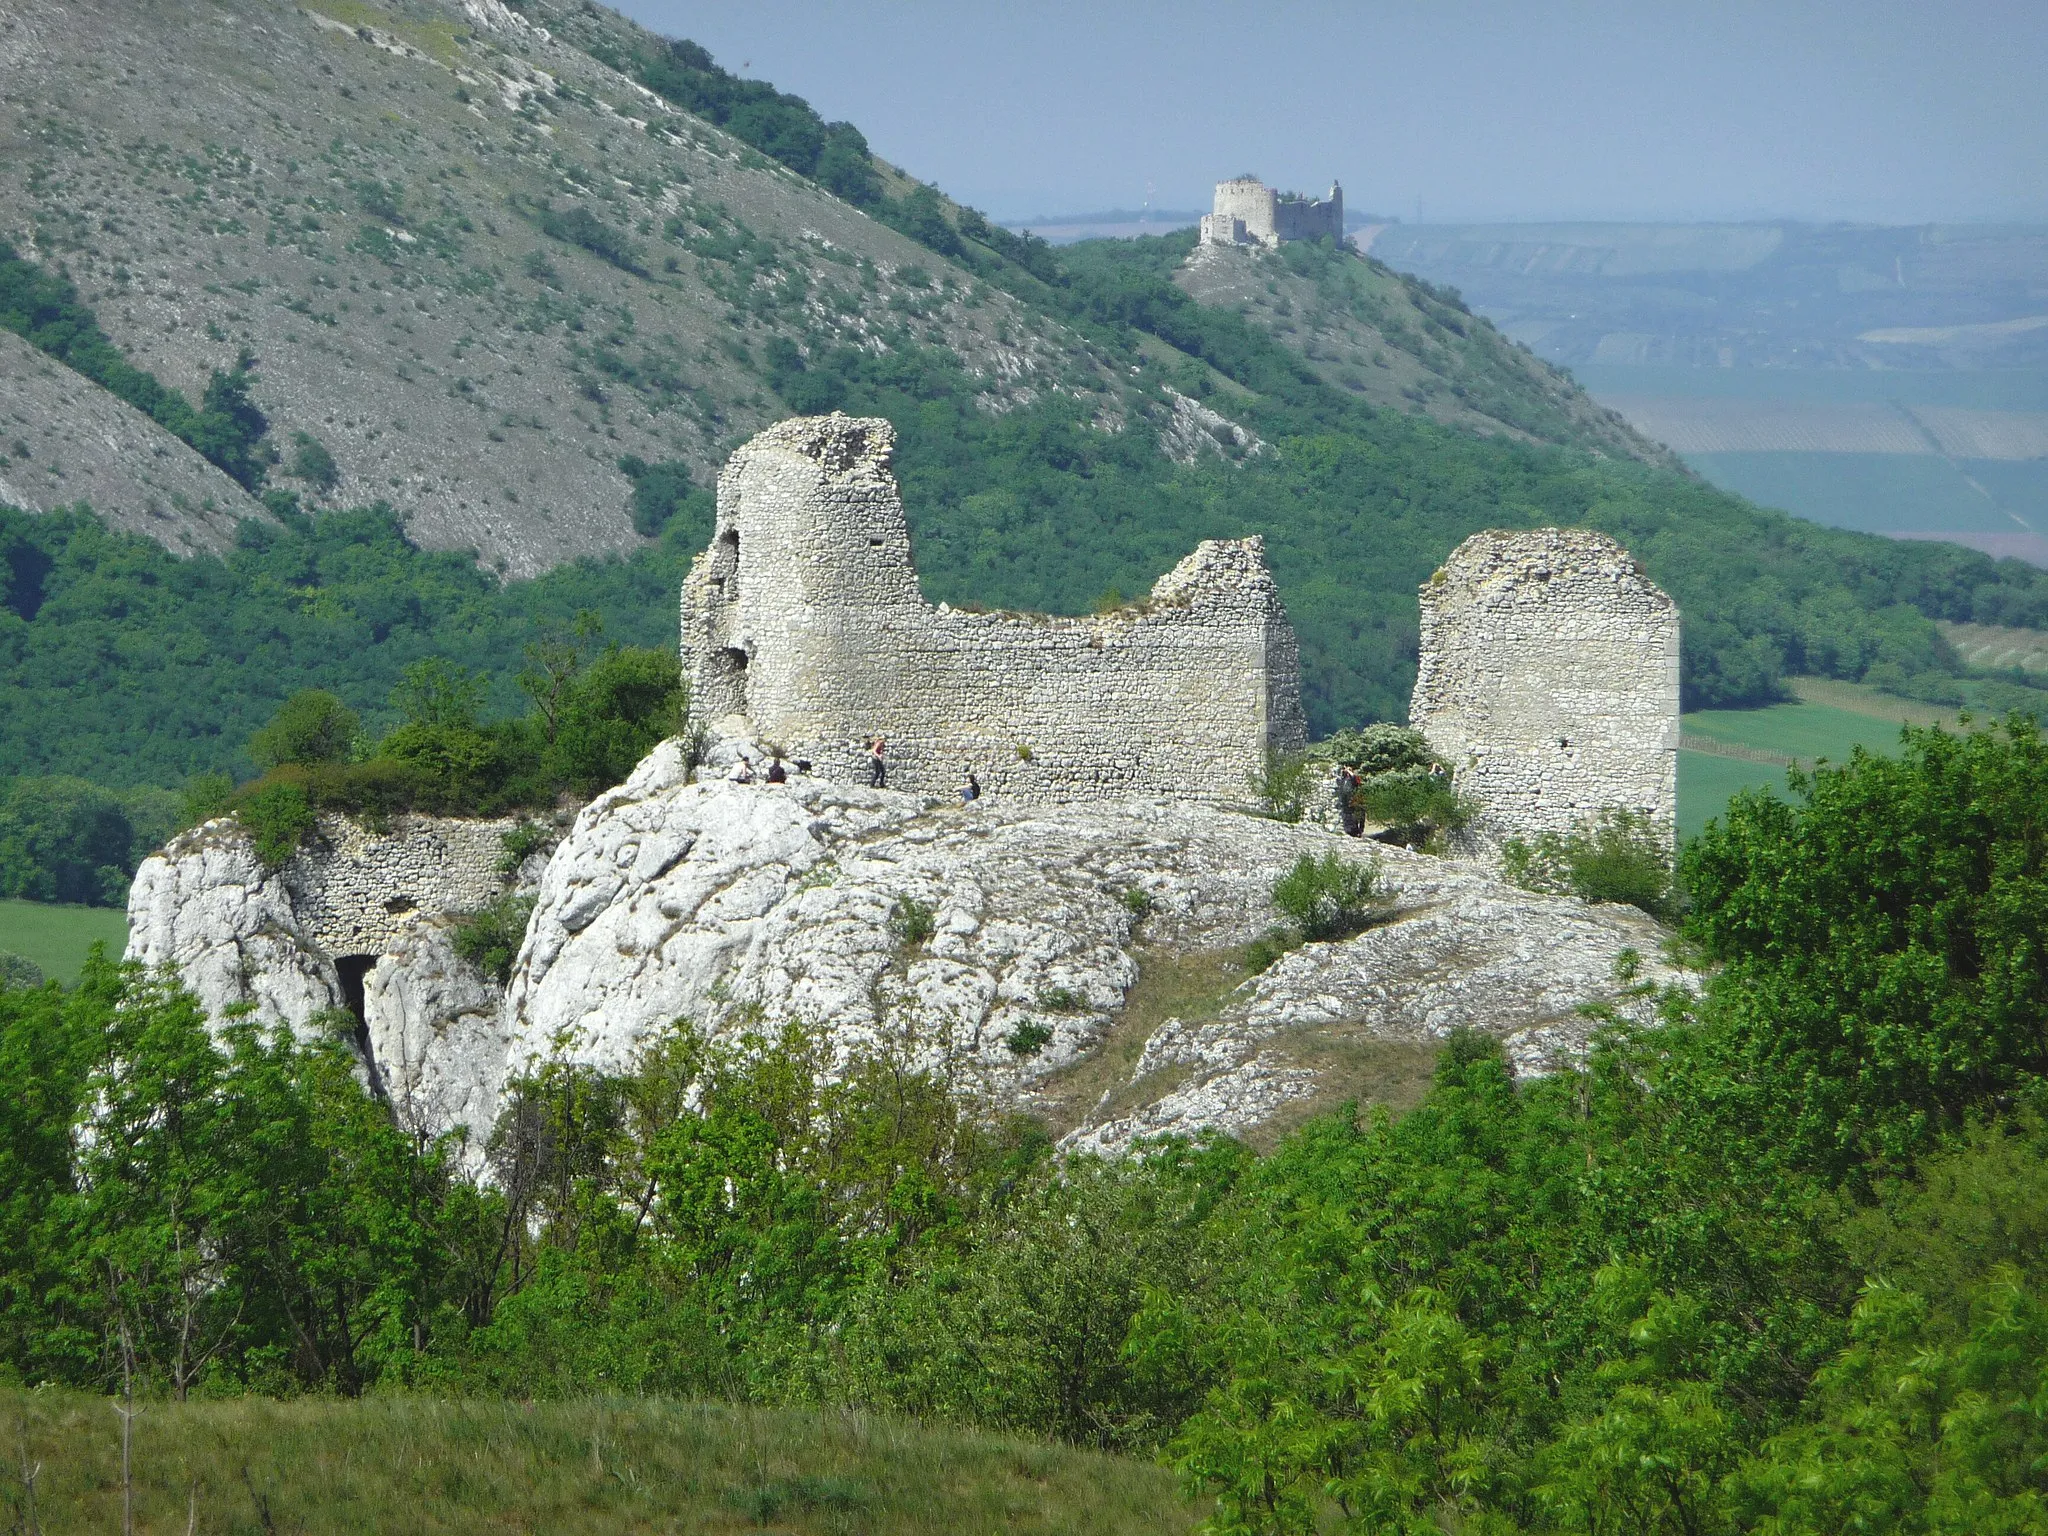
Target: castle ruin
1549, 682
1248, 212
804, 618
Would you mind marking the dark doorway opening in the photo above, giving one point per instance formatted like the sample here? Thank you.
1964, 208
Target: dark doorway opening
354, 971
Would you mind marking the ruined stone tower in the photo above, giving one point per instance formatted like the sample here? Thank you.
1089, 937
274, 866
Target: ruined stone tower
1248, 212
1549, 681
804, 617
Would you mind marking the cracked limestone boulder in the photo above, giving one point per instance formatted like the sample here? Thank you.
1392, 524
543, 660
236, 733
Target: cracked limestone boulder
1082, 962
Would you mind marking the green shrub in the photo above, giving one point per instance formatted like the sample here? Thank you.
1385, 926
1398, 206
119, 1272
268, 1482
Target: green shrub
1416, 805
277, 816
1263, 952
1374, 749
489, 939
520, 844
18, 971
1282, 785
312, 463
312, 726
1622, 857
912, 922
1028, 1038
1329, 897
1062, 1000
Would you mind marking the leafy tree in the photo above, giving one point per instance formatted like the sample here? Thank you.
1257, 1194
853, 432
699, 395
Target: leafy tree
1884, 935
615, 713
62, 839
659, 491
312, 726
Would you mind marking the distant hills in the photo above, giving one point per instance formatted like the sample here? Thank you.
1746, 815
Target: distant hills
1889, 379
480, 253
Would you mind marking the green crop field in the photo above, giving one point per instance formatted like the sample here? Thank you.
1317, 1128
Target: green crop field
317, 1465
1888, 493
1805, 731
57, 938
1829, 720
1706, 782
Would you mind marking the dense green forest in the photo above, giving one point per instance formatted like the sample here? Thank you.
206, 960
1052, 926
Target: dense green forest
1773, 1264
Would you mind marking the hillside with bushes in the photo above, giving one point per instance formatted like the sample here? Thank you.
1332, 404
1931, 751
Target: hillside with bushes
440, 310
1773, 1263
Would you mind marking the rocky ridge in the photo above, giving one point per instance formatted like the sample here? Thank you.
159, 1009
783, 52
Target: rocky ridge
473, 262
1040, 957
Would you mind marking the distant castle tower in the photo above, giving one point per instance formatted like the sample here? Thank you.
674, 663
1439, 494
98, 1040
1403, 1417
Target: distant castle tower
1248, 212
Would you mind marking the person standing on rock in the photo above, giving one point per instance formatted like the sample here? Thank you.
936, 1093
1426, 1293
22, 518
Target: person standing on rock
1348, 782
878, 765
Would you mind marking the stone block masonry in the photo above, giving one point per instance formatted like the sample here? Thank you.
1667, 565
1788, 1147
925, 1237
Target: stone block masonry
1549, 680
804, 618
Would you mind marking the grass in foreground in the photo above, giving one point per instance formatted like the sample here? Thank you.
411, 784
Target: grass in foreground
57, 937
629, 1465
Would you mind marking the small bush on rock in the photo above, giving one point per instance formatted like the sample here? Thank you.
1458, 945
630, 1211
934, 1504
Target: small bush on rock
1416, 805
912, 922
1028, 1038
489, 939
277, 817
1620, 857
1282, 785
1329, 897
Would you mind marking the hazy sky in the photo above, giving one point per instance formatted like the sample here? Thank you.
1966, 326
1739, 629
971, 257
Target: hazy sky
1513, 109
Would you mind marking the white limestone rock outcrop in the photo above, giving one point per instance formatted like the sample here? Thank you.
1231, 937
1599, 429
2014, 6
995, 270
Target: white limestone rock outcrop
359, 920
740, 904
1038, 956
206, 907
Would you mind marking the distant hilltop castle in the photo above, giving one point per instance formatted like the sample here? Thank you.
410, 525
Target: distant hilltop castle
1248, 212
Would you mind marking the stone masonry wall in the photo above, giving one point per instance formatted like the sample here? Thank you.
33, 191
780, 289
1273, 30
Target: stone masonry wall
356, 891
1549, 680
804, 616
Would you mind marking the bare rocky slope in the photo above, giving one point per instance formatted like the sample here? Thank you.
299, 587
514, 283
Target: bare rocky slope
64, 440
480, 267
1082, 963
360, 196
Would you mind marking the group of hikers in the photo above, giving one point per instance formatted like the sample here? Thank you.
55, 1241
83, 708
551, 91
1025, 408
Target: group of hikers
877, 749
